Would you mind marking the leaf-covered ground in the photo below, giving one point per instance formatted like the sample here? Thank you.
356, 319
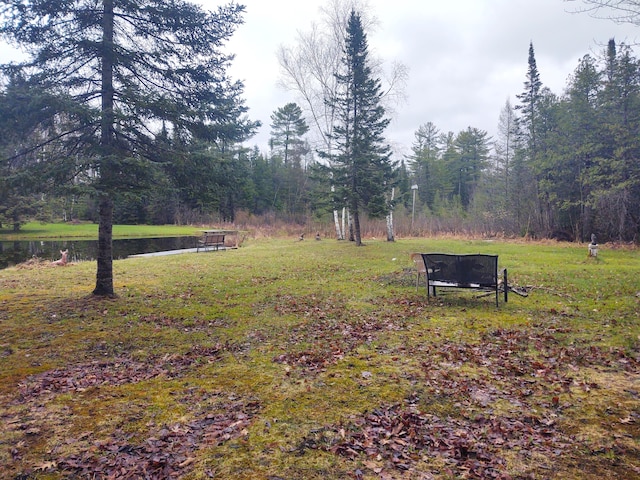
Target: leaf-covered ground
288, 359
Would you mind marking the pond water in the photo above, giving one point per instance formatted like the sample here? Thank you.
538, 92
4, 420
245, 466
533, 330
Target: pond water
12, 253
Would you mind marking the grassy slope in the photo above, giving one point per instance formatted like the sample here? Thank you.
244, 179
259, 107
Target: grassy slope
90, 230
288, 359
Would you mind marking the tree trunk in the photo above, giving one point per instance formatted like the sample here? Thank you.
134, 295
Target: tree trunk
352, 238
356, 228
104, 276
390, 235
336, 220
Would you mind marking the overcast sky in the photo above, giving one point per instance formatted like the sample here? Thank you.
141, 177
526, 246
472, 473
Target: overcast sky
465, 57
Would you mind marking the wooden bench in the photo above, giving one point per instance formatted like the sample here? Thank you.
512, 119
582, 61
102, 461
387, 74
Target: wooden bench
210, 240
464, 271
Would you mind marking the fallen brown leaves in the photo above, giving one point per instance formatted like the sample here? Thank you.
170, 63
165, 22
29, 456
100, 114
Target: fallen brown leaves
519, 363
393, 437
479, 405
157, 451
114, 372
168, 451
185, 325
332, 329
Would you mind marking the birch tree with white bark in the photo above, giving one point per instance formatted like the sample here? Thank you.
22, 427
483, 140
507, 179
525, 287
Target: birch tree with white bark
309, 67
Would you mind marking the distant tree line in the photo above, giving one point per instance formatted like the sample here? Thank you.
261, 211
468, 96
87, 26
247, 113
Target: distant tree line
563, 166
573, 167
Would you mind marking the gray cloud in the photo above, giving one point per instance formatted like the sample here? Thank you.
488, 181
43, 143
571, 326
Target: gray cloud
465, 57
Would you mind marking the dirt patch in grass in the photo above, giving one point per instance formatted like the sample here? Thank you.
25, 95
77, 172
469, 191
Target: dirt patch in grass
403, 278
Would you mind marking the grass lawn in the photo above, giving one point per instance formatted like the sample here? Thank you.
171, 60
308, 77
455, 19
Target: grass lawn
319, 360
41, 231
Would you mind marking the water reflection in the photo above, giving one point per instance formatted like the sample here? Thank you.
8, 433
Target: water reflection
14, 252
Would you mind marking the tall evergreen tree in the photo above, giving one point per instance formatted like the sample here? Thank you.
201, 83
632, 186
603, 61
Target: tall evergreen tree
536, 120
288, 126
123, 65
529, 105
19, 176
447, 174
289, 151
360, 163
423, 160
617, 192
472, 146
576, 149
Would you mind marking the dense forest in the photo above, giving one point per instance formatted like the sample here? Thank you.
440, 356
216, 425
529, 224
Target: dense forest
563, 164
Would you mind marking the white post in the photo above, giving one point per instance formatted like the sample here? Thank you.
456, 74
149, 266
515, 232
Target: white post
390, 235
414, 188
593, 246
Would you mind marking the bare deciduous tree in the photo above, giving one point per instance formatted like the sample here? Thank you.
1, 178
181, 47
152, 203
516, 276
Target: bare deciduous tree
309, 69
620, 11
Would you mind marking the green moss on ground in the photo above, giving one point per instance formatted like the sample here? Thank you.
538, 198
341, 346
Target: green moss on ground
287, 359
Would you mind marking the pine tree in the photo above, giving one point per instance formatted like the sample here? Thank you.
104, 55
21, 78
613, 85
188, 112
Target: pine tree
473, 153
536, 120
423, 162
289, 152
121, 66
617, 193
360, 164
288, 126
19, 177
577, 148
530, 103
